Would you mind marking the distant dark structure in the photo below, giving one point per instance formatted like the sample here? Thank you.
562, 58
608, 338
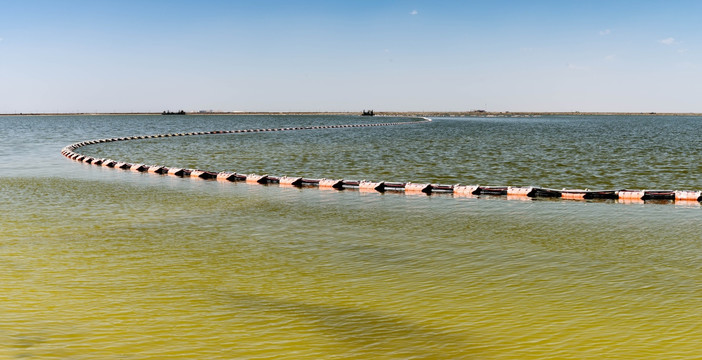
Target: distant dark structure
167, 112
367, 113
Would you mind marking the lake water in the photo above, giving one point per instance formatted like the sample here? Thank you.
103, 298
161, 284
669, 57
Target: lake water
98, 263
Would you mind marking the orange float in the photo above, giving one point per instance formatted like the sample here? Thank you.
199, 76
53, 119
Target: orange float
575, 194
631, 194
256, 179
155, 169
687, 195
290, 181
466, 190
175, 171
414, 188
371, 186
137, 167
330, 184
226, 176
519, 191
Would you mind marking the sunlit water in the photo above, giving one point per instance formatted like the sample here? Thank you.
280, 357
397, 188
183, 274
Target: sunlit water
97, 263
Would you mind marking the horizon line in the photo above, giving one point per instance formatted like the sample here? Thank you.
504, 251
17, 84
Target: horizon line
377, 113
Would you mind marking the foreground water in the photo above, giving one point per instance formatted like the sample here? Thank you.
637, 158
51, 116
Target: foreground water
101, 263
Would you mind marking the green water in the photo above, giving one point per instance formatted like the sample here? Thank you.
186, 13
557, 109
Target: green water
100, 263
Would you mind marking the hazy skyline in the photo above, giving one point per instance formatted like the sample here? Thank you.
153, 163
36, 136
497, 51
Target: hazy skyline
133, 56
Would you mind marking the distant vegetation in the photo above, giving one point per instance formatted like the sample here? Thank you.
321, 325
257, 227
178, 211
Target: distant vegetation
168, 112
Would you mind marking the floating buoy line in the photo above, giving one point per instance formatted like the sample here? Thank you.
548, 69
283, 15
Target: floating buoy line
511, 192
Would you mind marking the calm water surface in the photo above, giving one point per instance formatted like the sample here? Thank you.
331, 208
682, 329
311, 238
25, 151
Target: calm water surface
108, 264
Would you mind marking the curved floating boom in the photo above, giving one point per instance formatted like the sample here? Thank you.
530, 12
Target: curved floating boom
624, 195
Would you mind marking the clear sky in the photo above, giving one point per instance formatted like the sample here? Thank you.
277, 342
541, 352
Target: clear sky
290, 55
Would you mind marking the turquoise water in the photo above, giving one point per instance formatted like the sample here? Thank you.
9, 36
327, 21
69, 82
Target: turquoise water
104, 263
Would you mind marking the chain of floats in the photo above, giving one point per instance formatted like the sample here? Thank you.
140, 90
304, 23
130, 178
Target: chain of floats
381, 186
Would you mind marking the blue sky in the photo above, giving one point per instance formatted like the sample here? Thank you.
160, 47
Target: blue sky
150, 55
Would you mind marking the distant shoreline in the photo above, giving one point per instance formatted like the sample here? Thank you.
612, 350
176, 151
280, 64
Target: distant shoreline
382, 113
